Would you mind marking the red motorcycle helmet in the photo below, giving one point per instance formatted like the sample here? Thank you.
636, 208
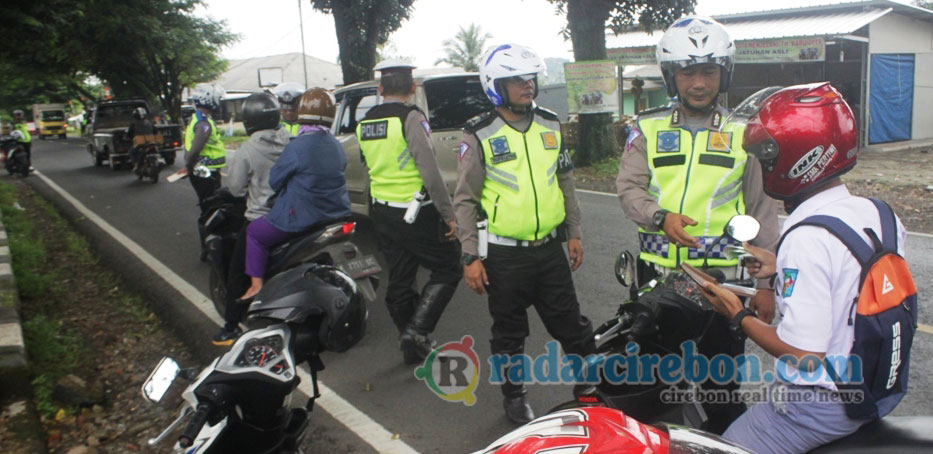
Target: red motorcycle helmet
804, 135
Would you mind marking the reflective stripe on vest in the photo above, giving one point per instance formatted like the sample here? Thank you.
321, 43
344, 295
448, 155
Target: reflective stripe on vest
292, 128
392, 171
521, 197
213, 155
698, 177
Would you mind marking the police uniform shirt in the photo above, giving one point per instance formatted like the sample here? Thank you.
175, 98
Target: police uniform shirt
818, 278
471, 176
639, 206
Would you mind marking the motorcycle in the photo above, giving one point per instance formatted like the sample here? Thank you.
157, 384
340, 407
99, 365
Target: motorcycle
662, 313
13, 154
327, 245
241, 402
150, 161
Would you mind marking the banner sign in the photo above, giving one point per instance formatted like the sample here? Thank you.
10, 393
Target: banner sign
592, 87
624, 56
779, 50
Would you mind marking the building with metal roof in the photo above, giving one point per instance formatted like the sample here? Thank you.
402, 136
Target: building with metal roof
250, 75
878, 53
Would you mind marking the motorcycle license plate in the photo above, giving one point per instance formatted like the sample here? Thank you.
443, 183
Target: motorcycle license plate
361, 266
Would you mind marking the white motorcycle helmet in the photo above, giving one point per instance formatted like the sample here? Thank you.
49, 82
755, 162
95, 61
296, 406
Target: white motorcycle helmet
505, 61
693, 40
288, 92
208, 95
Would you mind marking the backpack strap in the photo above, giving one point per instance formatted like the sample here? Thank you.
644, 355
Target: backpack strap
859, 248
888, 225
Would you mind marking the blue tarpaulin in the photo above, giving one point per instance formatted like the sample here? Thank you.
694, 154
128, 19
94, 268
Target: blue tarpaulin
892, 97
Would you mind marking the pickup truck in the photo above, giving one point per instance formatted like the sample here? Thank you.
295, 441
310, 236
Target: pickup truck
107, 128
447, 100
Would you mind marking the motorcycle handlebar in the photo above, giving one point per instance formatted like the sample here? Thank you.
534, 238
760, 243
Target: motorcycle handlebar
186, 439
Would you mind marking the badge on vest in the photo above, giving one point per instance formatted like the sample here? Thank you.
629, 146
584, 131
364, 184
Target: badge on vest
500, 150
668, 141
550, 140
375, 130
719, 141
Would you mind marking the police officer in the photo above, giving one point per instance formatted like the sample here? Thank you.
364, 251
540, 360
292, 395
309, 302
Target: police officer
19, 124
289, 95
515, 173
684, 174
395, 144
204, 147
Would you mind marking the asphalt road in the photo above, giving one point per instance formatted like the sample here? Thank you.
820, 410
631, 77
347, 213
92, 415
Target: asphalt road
370, 377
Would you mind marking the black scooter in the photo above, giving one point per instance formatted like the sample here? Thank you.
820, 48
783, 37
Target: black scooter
241, 401
326, 245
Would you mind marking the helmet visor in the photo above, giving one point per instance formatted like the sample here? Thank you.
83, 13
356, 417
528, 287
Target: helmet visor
758, 142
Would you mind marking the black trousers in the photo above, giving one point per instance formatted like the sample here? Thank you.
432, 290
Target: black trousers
204, 188
408, 246
237, 280
718, 339
522, 277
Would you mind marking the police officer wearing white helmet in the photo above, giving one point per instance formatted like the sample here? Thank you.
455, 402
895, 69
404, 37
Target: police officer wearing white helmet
516, 176
289, 95
204, 147
684, 174
411, 209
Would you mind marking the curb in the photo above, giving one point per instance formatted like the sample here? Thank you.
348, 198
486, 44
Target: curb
14, 368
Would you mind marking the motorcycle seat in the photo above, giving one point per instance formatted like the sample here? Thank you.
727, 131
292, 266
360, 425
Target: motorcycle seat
891, 434
296, 250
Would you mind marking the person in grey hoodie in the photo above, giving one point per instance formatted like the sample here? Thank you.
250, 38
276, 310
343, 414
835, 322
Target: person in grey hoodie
247, 173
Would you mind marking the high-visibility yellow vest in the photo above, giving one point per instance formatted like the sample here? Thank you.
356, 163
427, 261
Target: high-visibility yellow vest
521, 197
392, 171
213, 155
292, 128
23, 128
697, 176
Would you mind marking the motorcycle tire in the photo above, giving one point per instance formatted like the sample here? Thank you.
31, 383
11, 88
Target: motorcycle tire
218, 288
20, 164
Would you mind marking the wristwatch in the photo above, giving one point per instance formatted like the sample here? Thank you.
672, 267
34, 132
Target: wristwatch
658, 218
467, 259
735, 325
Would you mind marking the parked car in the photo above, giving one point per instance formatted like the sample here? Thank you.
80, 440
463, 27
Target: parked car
447, 100
107, 128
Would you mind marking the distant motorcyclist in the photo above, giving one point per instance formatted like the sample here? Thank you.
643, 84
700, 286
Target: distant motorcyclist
289, 96
19, 124
141, 127
247, 174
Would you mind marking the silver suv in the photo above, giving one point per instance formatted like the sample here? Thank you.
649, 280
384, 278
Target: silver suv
448, 101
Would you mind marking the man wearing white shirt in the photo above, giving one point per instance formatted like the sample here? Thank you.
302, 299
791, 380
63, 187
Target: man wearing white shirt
805, 138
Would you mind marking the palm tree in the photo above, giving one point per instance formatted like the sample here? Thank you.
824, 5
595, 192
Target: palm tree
464, 50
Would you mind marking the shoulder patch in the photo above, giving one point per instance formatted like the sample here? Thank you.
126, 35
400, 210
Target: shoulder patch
477, 122
549, 114
426, 126
634, 134
790, 279
464, 147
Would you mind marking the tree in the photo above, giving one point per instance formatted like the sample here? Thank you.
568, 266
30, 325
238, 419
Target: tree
363, 25
465, 49
586, 26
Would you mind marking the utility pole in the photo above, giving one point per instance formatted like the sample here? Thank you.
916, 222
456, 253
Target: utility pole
304, 59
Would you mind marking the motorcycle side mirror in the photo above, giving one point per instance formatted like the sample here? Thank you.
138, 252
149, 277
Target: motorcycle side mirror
160, 379
625, 269
742, 227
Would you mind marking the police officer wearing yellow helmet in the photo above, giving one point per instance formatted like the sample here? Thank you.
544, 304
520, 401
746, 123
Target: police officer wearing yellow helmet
684, 174
19, 124
204, 147
411, 209
289, 95
516, 177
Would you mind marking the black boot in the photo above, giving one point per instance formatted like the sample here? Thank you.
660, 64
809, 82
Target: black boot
414, 341
517, 408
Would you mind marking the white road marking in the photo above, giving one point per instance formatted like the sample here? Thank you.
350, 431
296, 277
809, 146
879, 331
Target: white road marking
356, 421
925, 328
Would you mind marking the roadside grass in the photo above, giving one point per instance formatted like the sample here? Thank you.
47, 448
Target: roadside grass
54, 350
606, 169
234, 141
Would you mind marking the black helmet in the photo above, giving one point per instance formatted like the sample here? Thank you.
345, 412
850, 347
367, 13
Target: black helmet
320, 300
260, 111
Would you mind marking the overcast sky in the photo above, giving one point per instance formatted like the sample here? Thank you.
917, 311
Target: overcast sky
272, 26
